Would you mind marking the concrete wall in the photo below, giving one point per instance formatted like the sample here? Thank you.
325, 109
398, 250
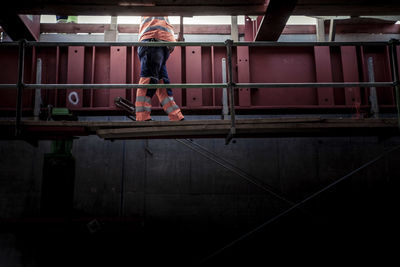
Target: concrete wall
178, 199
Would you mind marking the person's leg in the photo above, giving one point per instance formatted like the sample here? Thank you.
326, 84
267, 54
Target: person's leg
165, 95
143, 96
143, 102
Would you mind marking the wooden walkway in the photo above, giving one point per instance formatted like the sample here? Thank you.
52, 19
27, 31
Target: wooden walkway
245, 128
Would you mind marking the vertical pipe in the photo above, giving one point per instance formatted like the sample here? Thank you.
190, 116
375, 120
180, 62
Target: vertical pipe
234, 29
320, 27
20, 87
38, 95
373, 98
225, 110
229, 44
395, 73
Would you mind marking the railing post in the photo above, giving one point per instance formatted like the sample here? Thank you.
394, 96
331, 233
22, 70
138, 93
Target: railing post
231, 87
395, 72
20, 86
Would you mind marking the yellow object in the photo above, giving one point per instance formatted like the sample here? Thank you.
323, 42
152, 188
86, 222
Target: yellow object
72, 19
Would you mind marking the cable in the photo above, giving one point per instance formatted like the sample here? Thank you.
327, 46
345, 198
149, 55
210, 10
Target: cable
203, 151
295, 206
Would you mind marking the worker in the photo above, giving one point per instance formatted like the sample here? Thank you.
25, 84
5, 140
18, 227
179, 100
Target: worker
153, 68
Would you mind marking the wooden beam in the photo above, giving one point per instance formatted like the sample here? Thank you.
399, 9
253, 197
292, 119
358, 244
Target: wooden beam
272, 127
275, 19
132, 28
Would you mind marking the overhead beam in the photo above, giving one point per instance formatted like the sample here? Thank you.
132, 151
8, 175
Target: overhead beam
171, 9
275, 19
347, 8
19, 27
132, 28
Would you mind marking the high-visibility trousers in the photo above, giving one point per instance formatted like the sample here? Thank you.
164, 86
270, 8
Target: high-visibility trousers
154, 71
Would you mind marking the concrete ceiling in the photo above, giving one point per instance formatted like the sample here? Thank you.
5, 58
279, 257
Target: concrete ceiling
201, 7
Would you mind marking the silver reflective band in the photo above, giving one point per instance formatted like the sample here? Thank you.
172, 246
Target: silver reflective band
165, 101
143, 109
151, 18
152, 28
172, 108
143, 99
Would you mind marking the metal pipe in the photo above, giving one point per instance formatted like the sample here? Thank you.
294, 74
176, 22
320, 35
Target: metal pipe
8, 86
225, 110
275, 44
373, 98
231, 87
395, 73
38, 95
300, 85
20, 87
198, 85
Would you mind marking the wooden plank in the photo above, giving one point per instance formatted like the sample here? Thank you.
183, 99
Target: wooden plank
108, 124
242, 129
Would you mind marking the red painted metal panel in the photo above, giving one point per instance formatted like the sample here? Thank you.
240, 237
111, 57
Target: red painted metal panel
194, 97
243, 75
101, 64
9, 58
350, 74
174, 68
278, 65
101, 75
117, 72
75, 75
323, 70
382, 73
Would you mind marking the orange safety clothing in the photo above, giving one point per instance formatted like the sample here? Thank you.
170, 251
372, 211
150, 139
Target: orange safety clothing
156, 28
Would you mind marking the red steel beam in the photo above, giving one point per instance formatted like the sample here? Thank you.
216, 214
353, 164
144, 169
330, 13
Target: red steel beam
20, 27
100, 64
275, 19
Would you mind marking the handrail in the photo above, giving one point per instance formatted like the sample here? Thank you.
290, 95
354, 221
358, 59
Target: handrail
230, 84
258, 43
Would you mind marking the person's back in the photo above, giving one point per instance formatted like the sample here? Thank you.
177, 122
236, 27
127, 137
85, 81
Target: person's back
157, 28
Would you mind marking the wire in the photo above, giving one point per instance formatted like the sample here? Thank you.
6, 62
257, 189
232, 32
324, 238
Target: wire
295, 206
204, 152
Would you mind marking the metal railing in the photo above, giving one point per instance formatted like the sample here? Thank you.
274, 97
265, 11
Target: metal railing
230, 84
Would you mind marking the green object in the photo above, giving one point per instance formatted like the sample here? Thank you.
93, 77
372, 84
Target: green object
72, 19
61, 147
60, 112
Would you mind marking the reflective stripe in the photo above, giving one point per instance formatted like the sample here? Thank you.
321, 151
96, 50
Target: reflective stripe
165, 101
151, 18
143, 99
171, 108
143, 109
153, 28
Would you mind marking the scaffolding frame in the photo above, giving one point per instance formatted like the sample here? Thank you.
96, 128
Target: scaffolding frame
230, 84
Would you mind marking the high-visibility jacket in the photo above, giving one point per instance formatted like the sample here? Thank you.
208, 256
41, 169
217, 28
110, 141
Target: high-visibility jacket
156, 27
